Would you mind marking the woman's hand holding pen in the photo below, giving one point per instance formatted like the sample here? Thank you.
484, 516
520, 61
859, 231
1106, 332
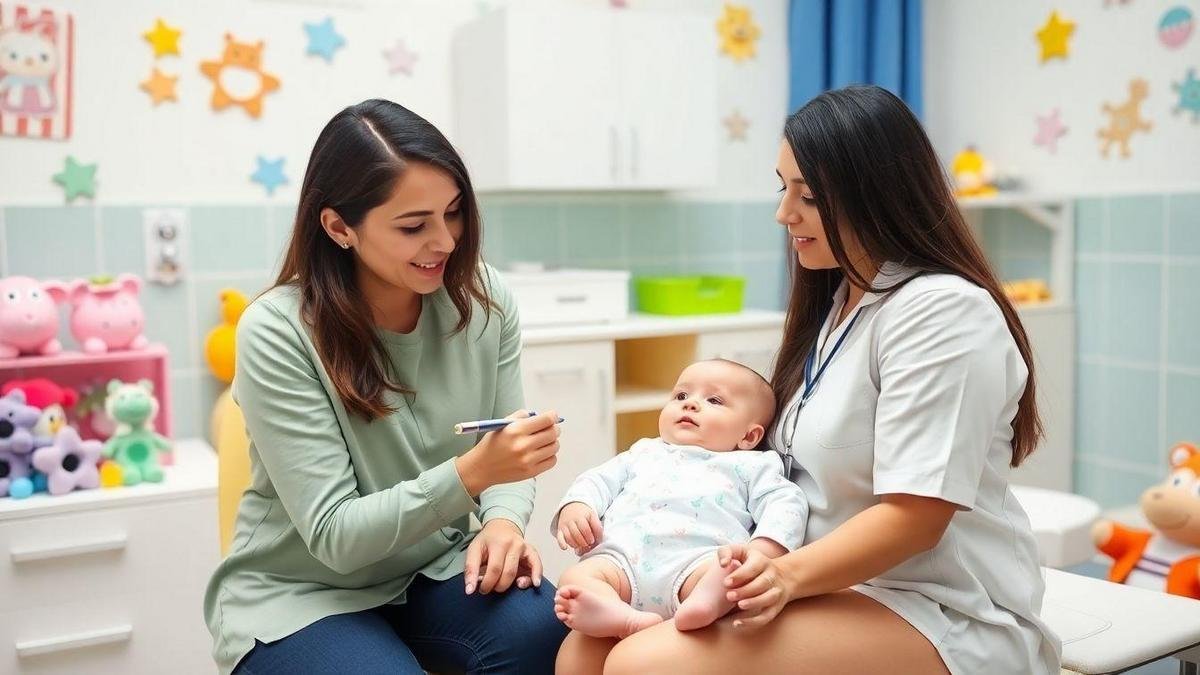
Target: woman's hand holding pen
521, 450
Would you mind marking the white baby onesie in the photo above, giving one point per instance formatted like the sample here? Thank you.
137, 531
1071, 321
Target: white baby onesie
666, 508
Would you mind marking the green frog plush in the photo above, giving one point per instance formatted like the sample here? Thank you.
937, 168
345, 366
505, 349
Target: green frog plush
134, 446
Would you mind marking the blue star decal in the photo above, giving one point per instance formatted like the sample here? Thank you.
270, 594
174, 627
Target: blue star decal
269, 174
323, 40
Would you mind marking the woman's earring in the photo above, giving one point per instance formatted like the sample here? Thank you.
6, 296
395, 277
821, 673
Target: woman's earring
345, 244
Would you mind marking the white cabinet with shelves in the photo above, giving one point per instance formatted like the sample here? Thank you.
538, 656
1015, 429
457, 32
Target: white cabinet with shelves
572, 98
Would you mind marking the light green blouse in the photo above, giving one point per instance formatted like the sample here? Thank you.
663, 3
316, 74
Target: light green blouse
340, 513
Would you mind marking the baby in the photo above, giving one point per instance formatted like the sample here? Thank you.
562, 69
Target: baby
648, 522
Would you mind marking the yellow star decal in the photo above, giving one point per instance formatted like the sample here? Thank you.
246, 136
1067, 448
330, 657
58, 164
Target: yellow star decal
163, 38
1054, 36
161, 87
738, 32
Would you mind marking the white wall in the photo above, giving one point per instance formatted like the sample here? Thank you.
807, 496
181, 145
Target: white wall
184, 152
984, 85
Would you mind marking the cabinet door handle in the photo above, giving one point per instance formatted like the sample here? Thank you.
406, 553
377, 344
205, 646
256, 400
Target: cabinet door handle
571, 299
114, 542
70, 641
560, 372
613, 149
634, 152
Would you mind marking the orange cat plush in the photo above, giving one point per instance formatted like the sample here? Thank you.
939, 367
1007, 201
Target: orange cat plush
1168, 557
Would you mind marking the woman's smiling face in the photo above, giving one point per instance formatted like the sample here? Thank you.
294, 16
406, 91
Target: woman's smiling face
798, 212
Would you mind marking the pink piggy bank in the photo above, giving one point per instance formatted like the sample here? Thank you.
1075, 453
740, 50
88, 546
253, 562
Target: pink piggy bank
106, 315
29, 316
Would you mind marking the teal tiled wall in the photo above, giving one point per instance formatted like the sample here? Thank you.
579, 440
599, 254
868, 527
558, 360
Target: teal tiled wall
1137, 296
240, 246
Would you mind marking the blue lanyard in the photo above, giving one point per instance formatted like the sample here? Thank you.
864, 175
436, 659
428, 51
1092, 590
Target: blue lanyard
810, 385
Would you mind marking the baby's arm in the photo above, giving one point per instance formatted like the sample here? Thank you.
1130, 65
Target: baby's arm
777, 505
577, 521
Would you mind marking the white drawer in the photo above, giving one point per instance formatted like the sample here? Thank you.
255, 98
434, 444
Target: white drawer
567, 296
754, 348
145, 549
150, 633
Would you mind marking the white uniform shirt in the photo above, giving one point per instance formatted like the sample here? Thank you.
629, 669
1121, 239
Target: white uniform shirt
920, 400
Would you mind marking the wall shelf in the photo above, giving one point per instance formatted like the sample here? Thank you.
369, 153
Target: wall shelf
1055, 212
634, 398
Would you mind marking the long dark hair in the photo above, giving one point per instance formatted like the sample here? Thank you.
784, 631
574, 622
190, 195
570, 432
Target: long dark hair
870, 165
357, 160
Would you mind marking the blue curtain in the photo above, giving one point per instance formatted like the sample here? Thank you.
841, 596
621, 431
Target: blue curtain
833, 43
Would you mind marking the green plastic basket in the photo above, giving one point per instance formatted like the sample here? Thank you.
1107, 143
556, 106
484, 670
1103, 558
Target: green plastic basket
689, 295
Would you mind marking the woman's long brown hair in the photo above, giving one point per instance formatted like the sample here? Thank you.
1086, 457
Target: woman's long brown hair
871, 166
354, 167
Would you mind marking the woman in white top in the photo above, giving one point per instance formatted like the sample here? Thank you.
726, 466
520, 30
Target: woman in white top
920, 400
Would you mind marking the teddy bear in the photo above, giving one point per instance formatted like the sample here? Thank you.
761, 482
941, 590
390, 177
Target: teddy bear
134, 447
17, 440
17, 421
1166, 558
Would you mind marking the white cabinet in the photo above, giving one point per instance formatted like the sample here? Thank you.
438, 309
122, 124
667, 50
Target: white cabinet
561, 97
577, 381
111, 580
755, 348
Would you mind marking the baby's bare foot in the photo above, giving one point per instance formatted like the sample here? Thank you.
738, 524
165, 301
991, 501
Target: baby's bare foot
707, 602
593, 614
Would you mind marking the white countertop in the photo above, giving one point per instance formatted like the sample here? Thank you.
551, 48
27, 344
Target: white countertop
193, 473
650, 325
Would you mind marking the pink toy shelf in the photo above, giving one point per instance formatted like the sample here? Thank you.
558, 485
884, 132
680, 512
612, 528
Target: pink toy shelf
85, 372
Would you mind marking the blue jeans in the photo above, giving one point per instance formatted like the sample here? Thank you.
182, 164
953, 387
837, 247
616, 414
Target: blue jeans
439, 628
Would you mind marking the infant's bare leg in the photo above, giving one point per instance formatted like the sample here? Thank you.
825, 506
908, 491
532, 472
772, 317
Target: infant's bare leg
593, 598
600, 575
702, 596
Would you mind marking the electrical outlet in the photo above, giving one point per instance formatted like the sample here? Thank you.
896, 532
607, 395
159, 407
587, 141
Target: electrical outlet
164, 233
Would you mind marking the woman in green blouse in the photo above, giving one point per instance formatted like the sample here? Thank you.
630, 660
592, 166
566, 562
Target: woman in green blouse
354, 550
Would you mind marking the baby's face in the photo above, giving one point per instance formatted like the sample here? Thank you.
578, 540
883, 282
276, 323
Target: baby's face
714, 405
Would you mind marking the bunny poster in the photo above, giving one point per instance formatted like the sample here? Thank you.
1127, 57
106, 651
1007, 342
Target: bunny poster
36, 59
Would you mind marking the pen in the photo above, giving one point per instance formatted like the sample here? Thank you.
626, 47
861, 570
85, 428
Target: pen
484, 426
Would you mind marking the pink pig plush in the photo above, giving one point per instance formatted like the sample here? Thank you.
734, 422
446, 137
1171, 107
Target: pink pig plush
106, 315
29, 316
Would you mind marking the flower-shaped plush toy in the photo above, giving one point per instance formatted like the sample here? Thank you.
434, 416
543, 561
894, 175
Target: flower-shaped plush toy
69, 463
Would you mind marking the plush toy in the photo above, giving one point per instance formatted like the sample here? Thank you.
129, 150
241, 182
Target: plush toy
15, 480
69, 462
135, 447
220, 341
29, 316
106, 315
17, 421
51, 398
17, 440
973, 175
1168, 557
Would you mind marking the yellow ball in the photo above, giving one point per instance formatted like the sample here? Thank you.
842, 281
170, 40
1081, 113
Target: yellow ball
110, 474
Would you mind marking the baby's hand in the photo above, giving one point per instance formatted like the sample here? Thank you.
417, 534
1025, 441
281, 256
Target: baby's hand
578, 528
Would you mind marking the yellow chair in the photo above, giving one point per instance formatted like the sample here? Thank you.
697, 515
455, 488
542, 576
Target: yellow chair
228, 429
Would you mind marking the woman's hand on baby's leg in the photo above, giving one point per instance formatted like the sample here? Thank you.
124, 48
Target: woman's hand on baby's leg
758, 587
578, 528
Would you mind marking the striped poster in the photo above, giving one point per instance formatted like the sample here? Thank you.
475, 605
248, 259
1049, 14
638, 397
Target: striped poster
37, 52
